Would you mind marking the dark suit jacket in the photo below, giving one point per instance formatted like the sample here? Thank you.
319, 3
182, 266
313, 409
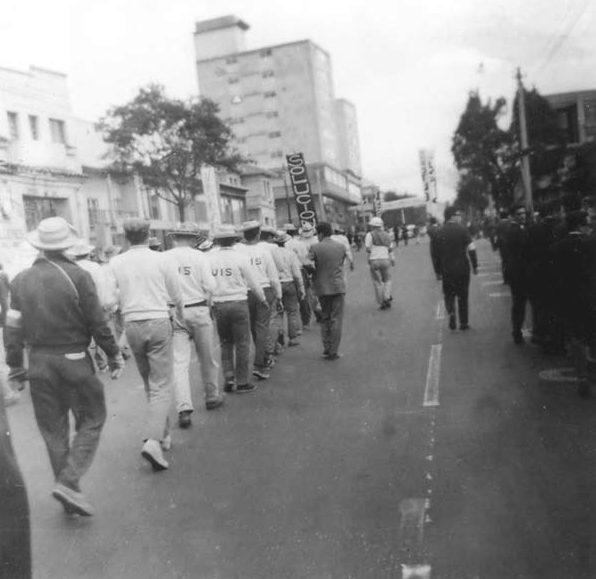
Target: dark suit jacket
328, 257
453, 240
516, 254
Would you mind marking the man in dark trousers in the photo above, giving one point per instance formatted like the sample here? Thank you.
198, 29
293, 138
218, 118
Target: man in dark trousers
501, 229
572, 292
329, 284
55, 311
455, 252
516, 267
433, 231
15, 534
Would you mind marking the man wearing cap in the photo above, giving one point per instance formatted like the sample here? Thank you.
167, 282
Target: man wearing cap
264, 269
197, 284
154, 244
147, 283
329, 284
233, 278
56, 312
301, 251
380, 259
292, 287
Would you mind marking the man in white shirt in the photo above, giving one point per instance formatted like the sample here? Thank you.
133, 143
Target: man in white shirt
233, 278
340, 237
147, 283
292, 288
308, 239
197, 284
380, 258
264, 269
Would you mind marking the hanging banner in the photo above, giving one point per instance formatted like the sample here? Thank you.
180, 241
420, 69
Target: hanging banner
303, 195
429, 178
377, 202
211, 192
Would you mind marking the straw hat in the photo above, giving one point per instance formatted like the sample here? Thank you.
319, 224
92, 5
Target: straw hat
80, 248
307, 230
225, 231
376, 222
53, 234
186, 229
248, 225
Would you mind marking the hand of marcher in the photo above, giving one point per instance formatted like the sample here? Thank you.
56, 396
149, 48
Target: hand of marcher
301, 296
116, 365
351, 266
264, 304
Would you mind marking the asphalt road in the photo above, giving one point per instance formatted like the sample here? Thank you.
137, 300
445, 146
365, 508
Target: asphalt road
338, 470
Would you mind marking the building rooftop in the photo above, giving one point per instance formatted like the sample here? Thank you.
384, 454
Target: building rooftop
219, 23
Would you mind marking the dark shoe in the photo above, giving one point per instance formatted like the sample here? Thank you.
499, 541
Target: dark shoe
583, 387
518, 338
464, 326
245, 388
74, 503
293, 343
213, 403
452, 322
229, 386
333, 356
325, 354
260, 373
318, 317
184, 418
383, 306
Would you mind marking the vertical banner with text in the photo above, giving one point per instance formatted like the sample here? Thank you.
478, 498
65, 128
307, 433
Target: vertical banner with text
211, 192
429, 178
303, 196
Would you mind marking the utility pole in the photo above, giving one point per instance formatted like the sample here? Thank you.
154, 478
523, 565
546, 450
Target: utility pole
523, 134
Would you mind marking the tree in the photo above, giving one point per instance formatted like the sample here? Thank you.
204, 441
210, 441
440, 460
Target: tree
482, 150
166, 141
471, 193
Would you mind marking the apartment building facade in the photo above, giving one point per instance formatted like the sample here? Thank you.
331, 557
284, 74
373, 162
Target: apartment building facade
280, 100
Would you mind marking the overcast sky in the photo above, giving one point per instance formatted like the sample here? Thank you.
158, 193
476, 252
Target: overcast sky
407, 65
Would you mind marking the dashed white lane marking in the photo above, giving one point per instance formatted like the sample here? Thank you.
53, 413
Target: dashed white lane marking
415, 571
440, 311
489, 273
558, 375
496, 282
500, 295
431, 391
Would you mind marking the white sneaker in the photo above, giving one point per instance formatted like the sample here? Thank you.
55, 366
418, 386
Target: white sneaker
166, 442
74, 502
152, 453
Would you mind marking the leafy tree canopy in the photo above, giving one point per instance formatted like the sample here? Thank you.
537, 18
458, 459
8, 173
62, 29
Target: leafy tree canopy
166, 141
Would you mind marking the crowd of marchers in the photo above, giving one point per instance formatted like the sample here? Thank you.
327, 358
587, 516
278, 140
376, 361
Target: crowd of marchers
549, 263
249, 292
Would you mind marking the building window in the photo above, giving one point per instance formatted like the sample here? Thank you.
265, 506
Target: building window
277, 154
154, 206
93, 210
270, 94
265, 52
57, 131
231, 60
233, 80
34, 126
13, 126
274, 134
272, 114
268, 73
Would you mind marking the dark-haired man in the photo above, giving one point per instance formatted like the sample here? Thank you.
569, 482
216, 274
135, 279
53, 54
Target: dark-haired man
328, 257
516, 260
147, 282
455, 251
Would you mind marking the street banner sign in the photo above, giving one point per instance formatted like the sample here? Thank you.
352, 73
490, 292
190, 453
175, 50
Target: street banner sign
303, 196
402, 203
377, 203
211, 192
429, 178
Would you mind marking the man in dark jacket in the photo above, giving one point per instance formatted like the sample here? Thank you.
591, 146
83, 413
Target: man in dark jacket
501, 229
55, 311
455, 252
572, 292
433, 231
329, 284
516, 268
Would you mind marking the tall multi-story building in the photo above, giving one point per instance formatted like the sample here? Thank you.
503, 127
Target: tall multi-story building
280, 100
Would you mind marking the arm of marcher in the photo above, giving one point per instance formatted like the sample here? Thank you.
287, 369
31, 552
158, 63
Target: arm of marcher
172, 282
13, 332
272, 274
296, 273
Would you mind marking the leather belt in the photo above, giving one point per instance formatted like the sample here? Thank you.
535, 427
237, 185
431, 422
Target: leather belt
196, 304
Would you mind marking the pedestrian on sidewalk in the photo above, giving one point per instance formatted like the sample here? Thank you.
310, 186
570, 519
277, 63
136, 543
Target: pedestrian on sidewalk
147, 282
233, 278
380, 260
56, 312
292, 289
517, 265
329, 285
196, 327
433, 231
265, 271
455, 252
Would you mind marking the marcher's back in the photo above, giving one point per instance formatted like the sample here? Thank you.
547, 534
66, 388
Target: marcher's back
453, 240
329, 258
